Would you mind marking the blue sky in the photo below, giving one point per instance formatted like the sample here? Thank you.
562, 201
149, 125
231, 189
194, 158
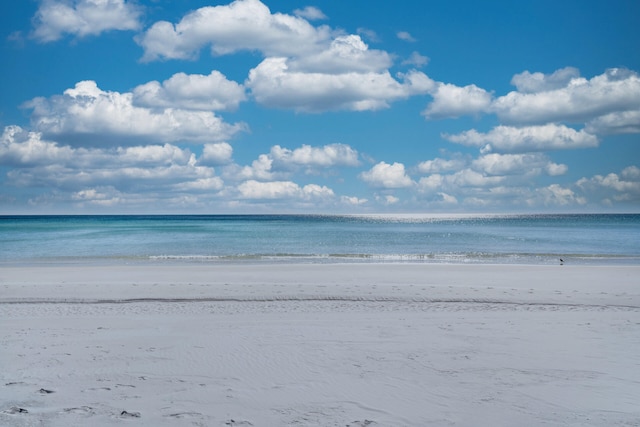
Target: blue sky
192, 106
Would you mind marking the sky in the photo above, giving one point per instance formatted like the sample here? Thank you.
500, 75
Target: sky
359, 106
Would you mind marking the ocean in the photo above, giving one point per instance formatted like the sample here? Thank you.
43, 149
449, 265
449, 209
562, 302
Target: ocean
491, 239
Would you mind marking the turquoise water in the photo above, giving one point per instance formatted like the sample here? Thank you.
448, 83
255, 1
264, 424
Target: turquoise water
528, 239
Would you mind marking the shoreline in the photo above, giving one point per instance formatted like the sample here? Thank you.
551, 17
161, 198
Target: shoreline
342, 279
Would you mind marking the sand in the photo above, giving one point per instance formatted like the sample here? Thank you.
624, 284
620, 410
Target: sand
319, 345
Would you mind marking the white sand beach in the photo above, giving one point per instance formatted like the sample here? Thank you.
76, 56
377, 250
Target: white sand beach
319, 345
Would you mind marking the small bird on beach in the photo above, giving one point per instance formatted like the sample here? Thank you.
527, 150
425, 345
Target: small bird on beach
561, 261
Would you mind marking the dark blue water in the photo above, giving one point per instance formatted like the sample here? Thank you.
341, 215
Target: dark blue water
540, 239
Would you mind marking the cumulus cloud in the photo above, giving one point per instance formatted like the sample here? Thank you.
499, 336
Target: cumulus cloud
260, 169
241, 25
528, 138
527, 82
557, 195
216, 154
569, 98
353, 201
606, 104
387, 199
489, 180
273, 84
345, 54
19, 148
281, 162
191, 92
82, 172
472, 178
385, 175
306, 68
439, 165
310, 13
613, 187
282, 190
308, 156
81, 18
207, 185
615, 123
517, 164
451, 101
90, 115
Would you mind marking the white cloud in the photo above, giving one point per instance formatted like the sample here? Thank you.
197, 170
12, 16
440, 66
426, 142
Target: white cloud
517, 164
85, 173
19, 147
90, 115
631, 173
311, 13
260, 169
315, 191
557, 195
454, 101
447, 199
490, 176
472, 178
274, 85
578, 101
622, 187
209, 184
384, 175
523, 139
368, 34
527, 82
100, 196
439, 165
325, 156
353, 200
416, 60
282, 190
241, 25
346, 53
607, 104
306, 68
387, 199
431, 183
81, 18
154, 155
280, 163
191, 92
216, 154
615, 123
403, 35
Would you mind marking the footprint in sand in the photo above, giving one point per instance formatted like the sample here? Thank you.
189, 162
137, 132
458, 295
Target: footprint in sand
238, 423
97, 389
82, 410
15, 410
127, 414
184, 415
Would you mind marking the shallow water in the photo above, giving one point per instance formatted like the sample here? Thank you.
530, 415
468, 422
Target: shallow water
522, 239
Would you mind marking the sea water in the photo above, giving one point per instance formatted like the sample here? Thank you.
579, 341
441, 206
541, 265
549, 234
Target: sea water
519, 239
